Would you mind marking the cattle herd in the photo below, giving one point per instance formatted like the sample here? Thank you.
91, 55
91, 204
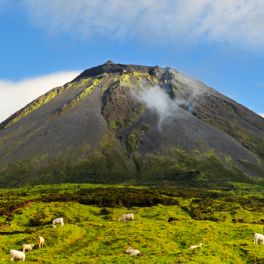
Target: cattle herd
20, 255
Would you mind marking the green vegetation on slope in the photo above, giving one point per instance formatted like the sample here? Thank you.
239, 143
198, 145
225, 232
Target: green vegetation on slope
233, 127
91, 85
33, 106
224, 221
111, 165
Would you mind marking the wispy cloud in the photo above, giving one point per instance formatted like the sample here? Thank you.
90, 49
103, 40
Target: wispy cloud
261, 114
232, 22
15, 95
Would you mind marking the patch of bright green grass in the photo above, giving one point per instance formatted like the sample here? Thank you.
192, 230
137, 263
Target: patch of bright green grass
93, 235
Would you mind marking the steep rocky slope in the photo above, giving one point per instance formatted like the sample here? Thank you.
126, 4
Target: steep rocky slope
131, 124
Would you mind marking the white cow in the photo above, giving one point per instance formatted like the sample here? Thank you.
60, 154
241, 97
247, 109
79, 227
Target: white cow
126, 217
196, 246
41, 241
133, 252
58, 221
17, 255
258, 238
27, 247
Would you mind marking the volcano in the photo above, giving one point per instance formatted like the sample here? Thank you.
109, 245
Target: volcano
131, 124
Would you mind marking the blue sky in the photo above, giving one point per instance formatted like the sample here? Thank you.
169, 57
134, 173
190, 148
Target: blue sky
45, 43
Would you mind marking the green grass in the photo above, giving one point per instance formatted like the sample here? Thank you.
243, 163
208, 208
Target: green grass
92, 233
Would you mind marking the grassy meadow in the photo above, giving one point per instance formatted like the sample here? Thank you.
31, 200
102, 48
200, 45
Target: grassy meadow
223, 220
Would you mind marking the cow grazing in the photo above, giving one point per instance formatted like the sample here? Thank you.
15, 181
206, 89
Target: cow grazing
17, 255
133, 252
196, 246
41, 241
58, 221
126, 217
27, 247
258, 238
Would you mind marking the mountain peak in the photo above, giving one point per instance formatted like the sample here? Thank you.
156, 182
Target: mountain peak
111, 67
109, 62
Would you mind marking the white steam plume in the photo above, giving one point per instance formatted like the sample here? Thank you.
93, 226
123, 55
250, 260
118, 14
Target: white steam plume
156, 99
